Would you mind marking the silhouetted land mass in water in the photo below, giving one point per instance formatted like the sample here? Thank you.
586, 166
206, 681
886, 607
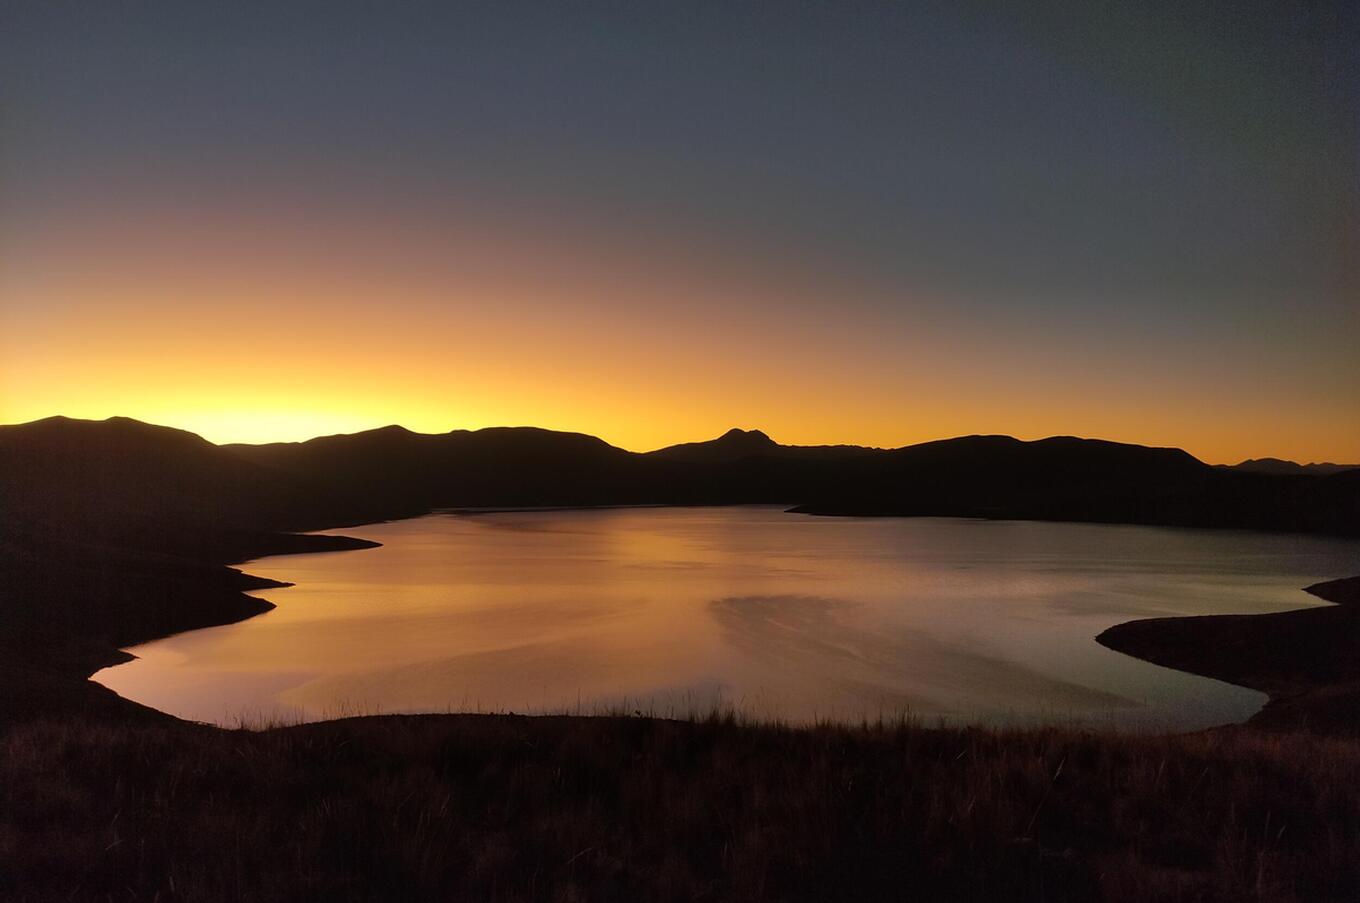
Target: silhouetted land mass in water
1278, 466
1065, 478
1308, 661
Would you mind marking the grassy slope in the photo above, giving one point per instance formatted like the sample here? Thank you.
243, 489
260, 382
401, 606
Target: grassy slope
513, 808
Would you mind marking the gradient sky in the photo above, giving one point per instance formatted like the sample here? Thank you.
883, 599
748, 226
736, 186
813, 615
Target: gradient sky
839, 222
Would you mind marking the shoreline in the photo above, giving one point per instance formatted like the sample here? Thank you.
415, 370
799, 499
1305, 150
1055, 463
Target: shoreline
246, 584
1307, 660
45, 667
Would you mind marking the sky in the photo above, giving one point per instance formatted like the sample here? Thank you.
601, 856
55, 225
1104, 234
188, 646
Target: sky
839, 222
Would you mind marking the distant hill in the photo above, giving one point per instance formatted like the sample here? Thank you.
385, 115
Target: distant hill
1066, 478
401, 472
1278, 466
738, 444
730, 446
115, 480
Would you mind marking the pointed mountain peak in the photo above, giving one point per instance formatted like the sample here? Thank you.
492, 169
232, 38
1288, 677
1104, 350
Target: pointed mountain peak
730, 446
745, 437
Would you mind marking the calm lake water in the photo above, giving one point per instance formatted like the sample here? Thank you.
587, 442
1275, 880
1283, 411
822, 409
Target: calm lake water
676, 611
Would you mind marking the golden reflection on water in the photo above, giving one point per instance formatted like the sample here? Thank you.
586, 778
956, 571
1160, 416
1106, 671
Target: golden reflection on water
678, 611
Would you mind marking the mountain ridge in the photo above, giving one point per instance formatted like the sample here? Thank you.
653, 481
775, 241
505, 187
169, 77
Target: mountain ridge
74, 468
1281, 466
751, 438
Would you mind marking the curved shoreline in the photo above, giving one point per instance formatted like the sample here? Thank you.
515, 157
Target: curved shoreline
68, 631
1307, 661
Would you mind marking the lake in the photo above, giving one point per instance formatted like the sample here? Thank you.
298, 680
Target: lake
680, 611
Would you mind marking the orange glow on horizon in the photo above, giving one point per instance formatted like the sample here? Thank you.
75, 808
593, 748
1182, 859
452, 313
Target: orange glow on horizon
253, 325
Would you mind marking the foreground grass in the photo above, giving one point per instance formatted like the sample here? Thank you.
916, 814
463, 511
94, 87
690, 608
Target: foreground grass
557, 808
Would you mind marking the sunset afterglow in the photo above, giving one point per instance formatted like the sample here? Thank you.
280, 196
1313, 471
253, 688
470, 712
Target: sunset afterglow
246, 259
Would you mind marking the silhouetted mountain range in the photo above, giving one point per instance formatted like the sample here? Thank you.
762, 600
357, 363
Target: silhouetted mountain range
120, 475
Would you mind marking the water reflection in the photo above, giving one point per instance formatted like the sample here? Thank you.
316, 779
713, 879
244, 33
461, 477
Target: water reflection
677, 611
